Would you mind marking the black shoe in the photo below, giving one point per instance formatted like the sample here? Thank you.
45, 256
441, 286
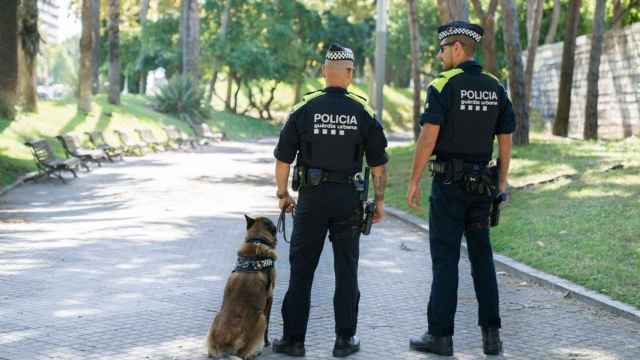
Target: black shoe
491, 343
288, 347
346, 346
440, 345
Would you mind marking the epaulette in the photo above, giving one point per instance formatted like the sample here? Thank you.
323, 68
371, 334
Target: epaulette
306, 98
444, 77
362, 101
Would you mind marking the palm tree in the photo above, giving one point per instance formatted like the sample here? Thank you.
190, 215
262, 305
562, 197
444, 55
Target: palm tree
8, 58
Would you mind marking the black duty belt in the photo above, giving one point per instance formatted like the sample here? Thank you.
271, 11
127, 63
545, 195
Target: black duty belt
449, 167
337, 177
315, 176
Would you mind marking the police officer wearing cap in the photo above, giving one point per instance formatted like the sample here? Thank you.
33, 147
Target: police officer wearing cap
330, 132
466, 109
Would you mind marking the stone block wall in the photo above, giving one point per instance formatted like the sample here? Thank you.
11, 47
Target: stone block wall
619, 84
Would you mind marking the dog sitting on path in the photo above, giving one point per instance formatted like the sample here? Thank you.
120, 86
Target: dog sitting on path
241, 327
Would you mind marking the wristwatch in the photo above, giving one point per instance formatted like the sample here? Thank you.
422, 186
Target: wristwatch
282, 195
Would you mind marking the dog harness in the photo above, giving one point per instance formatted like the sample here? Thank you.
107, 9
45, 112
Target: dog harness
256, 263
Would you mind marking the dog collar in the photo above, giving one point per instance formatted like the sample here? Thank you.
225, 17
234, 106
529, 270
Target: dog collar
257, 240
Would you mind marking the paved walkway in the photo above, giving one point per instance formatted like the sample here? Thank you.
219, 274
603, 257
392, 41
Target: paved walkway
129, 262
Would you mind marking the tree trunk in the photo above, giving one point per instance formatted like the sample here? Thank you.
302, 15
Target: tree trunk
533, 35
620, 10
370, 75
227, 100
593, 74
511, 34
114, 52
222, 34
8, 58
86, 43
142, 83
190, 38
415, 65
489, 39
29, 48
555, 19
297, 91
561, 122
95, 50
450, 10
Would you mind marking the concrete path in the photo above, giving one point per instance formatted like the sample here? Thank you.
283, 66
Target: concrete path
129, 262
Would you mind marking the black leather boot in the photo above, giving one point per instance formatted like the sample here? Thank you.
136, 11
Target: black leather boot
440, 345
346, 346
288, 347
491, 343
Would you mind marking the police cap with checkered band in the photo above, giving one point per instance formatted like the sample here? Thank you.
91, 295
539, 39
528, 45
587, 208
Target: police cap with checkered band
473, 31
339, 53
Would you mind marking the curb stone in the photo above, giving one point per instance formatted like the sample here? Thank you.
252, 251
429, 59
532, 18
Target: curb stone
538, 277
18, 182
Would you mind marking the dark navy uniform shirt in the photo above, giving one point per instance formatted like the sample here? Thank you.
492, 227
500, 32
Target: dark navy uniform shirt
332, 129
471, 107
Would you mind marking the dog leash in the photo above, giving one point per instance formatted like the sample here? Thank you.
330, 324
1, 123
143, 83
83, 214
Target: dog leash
282, 223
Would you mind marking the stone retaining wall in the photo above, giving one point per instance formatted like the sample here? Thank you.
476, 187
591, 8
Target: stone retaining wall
619, 85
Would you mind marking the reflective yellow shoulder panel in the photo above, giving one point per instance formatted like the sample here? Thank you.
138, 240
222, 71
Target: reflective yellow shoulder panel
363, 102
442, 79
493, 76
306, 98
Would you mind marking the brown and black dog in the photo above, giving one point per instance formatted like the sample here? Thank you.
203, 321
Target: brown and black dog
241, 327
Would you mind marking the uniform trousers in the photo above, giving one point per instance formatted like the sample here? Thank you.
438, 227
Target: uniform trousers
453, 212
332, 208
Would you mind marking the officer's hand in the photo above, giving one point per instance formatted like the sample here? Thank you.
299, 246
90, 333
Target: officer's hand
502, 186
378, 213
414, 196
287, 203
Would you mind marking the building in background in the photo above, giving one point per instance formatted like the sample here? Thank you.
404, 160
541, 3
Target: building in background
50, 20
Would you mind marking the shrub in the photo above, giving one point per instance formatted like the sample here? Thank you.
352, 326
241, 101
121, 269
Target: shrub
183, 97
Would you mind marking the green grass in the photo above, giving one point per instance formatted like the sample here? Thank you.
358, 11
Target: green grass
238, 127
397, 113
584, 227
58, 117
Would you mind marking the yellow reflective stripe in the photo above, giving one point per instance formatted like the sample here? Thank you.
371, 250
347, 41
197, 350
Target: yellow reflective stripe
443, 78
364, 104
493, 76
306, 99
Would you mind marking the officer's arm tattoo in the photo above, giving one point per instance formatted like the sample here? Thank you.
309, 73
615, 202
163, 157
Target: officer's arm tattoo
379, 181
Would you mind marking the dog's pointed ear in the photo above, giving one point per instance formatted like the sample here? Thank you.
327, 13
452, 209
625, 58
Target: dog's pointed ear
250, 221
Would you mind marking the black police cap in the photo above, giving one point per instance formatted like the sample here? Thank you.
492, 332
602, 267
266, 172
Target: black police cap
337, 53
473, 31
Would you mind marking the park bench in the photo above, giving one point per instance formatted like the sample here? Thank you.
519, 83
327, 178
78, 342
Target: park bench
178, 139
131, 146
73, 148
49, 164
205, 135
148, 138
97, 139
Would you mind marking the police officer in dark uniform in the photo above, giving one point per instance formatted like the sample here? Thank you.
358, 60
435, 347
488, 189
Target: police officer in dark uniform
466, 109
330, 132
